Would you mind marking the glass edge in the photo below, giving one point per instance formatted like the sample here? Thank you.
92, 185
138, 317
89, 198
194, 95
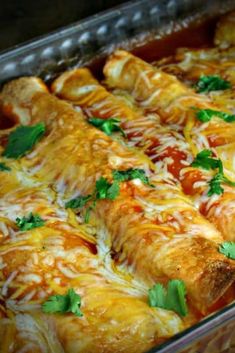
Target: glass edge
73, 27
190, 335
91, 21
215, 320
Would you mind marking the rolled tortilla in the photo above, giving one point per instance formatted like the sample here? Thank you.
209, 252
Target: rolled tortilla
167, 149
58, 256
159, 224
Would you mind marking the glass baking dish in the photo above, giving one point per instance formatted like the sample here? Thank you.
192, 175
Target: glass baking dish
129, 26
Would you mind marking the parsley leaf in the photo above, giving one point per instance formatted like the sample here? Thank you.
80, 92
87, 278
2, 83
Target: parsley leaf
22, 140
206, 115
107, 125
130, 174
203, 160
228, 249
70, 302
78, 202
4, 167
211, 83
106, 190
29, 222
171, 299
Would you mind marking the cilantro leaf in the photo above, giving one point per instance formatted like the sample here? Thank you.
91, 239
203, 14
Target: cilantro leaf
215, 185
175, 298
106, 190
203, 160
157, 296
113, 191
22, 140
4, 167
78, 202
206, 115
103, 190
70, 302
171, 299
29, 222
130, 174
107, 125
228, 249
102, 186
211, 83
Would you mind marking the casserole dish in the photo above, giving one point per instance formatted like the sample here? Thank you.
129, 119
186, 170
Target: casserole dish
54, 53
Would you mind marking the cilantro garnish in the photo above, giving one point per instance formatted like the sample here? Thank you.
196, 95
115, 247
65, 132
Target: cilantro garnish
206, 115
4, 167
68, 303
130, 174
215, 183
203, 160
103, 190
78, 202
29, 222
211, 83
172, 298
106, 190
228, 249
107, 125
22, 140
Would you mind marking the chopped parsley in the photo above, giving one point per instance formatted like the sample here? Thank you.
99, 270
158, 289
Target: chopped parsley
22, 140
172, 298
4, 167
130, 174
211, 83
107, 125
29, 222
206, 115
68, 303
204, 160
228, 249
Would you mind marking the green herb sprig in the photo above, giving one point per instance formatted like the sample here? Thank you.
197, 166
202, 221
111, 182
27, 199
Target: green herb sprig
131, 174
4, 167
29, 222
205, 115
108, 126
103, 190
106, 190
205, 160
211, 83
227, 248
173, 298
22, 140
68, 303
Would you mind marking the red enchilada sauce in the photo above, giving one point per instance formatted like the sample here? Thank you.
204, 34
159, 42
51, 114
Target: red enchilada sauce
196, 35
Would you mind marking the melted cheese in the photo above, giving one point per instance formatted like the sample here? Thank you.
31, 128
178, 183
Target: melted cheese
59, 258
160, 224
